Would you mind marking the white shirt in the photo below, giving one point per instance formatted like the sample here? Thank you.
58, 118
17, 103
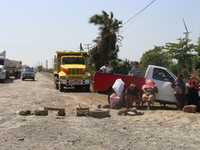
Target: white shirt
106, 69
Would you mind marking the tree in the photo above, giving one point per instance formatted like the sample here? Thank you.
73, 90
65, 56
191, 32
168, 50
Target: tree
197, 59
155, 56
198, 46
121, 66
106, 48
40, 68
184, 53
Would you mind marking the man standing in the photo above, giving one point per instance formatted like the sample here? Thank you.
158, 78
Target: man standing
135, 70
180, 89
107, 68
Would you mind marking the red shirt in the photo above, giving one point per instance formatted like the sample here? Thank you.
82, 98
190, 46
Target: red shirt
193, 83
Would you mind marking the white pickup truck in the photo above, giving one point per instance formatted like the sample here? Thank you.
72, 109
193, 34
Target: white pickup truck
163, 79
102, 82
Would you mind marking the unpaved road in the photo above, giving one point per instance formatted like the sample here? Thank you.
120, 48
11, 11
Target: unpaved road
156, 129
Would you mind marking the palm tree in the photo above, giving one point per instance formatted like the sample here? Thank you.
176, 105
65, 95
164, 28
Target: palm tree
106, 42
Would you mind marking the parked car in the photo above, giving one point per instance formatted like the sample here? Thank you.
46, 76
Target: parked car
102, 82
28, 73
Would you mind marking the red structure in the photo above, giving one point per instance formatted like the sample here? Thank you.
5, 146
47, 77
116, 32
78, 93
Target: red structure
102, 82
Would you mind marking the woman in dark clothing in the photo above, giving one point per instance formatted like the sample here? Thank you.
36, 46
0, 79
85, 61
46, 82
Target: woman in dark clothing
193, 88
180, 91
131, 96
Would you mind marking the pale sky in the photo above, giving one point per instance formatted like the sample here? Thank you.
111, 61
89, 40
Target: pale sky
32, 30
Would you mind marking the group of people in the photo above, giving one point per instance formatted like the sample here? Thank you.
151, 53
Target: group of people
135, 69
187, 93
132, 94
147, 95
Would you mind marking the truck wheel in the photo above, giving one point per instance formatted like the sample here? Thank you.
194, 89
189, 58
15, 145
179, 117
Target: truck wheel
56, 86
56, 82
87, 88
61, 87
7, 76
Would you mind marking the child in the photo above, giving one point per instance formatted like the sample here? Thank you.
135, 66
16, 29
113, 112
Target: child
149, 91
131, 95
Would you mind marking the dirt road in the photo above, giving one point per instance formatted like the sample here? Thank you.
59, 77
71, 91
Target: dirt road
156, 129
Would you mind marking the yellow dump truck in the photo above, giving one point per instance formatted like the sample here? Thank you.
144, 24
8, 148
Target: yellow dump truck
70, 70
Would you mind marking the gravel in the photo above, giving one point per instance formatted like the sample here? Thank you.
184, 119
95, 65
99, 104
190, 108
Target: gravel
155, 130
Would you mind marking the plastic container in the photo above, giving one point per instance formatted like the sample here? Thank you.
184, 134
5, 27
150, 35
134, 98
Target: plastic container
114, 100
118, 87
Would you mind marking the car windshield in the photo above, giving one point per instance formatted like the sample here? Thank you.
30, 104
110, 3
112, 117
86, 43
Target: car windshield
29, 70
1, 61
73, 60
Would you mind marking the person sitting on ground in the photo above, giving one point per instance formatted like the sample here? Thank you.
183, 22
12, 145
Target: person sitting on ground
180, 89
149, 93
131, 95
135, 70
107, 68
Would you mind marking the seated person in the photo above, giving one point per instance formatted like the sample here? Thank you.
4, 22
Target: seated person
107, 68
131, 95
149, 93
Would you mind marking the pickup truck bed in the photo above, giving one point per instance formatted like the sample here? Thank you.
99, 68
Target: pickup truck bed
102, 82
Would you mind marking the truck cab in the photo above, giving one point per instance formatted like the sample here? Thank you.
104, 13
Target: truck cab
70, 70
3, 72
163, 79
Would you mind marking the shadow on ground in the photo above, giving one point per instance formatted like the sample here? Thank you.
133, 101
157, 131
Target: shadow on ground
7, 81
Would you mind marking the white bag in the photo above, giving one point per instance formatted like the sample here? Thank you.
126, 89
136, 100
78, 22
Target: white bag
118, 87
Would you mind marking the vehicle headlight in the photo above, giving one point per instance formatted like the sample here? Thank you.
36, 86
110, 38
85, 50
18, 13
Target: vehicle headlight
88, 74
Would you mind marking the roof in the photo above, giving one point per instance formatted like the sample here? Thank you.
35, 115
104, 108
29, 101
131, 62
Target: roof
154, 66
65, 53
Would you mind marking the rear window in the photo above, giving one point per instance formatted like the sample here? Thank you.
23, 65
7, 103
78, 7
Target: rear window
1, 61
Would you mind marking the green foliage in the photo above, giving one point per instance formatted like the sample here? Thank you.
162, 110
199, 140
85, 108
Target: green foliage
198, 47
197, 58
156, 56
106, 48
179, 57
121, 66
184, 52
40, 68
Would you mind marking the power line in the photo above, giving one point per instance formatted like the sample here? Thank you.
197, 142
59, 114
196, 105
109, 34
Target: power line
140, 11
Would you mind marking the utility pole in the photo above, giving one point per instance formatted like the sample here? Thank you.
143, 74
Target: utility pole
46, 65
